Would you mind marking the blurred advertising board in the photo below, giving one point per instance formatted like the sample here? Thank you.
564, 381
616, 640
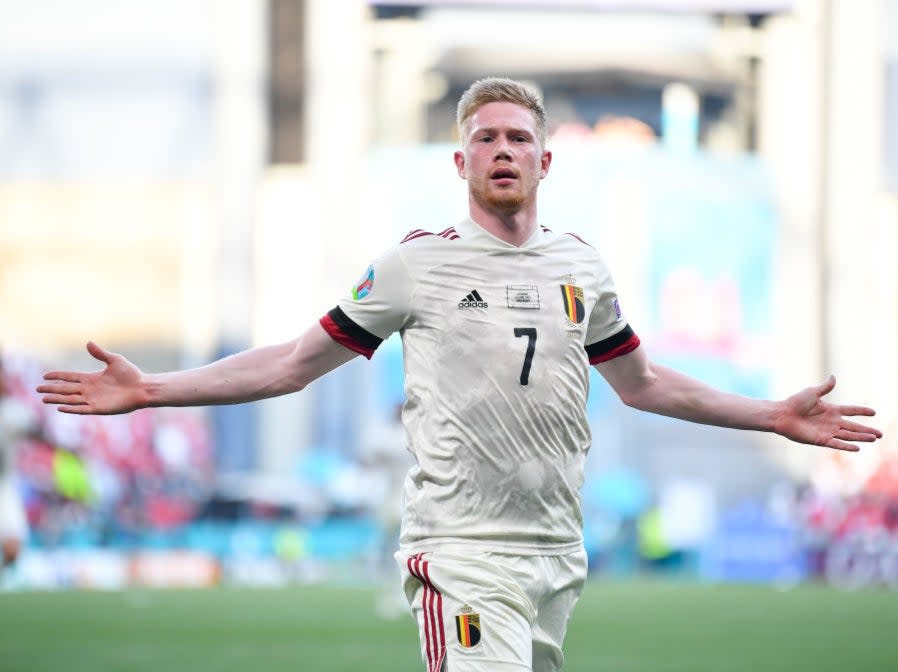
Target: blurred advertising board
107, 569
750, 545
174, 569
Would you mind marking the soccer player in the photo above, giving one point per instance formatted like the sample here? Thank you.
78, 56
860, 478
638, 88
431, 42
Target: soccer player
500, 318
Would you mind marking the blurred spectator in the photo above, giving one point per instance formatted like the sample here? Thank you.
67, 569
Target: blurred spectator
16, 422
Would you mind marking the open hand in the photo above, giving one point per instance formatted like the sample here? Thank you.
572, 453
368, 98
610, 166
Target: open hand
115, 389
807, 418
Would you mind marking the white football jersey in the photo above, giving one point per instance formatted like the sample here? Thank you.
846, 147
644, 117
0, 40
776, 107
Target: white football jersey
497, 343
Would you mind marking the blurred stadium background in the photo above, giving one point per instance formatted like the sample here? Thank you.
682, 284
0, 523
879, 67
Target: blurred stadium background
181, 179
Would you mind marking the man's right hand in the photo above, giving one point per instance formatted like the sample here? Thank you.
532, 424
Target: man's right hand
115, 389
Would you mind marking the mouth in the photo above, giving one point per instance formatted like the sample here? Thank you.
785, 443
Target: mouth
502, 176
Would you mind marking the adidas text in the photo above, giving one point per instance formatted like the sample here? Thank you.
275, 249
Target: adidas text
473, 300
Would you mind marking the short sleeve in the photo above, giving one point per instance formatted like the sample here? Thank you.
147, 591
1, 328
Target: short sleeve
376, 306
608, 334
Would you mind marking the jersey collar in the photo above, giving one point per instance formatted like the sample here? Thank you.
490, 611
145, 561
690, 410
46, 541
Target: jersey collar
468, 228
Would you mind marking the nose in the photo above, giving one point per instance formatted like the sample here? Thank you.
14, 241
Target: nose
501, 150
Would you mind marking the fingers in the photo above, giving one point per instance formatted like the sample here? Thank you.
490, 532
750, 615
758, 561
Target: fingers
65, 399
76, 410
69, 376
98, 353
855, 410
864, 429
853, 431
847, 435
68, 395
842, 445
59, 388
827, 386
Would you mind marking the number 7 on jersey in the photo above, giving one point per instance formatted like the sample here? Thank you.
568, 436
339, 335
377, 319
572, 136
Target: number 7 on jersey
530, 333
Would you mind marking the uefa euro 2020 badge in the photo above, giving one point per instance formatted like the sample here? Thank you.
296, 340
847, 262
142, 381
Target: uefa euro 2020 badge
467, 626
364, 285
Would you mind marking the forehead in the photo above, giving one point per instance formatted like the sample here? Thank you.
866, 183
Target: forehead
502, 115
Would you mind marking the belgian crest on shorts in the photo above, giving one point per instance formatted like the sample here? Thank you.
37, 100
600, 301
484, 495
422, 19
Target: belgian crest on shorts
572, 297
467, 626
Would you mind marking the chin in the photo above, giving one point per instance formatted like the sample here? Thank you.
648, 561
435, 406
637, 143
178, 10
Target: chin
505, 203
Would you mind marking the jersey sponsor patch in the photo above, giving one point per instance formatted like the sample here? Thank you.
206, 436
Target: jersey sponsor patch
365, 284
617, 310
574, 309
522, 296
467, 627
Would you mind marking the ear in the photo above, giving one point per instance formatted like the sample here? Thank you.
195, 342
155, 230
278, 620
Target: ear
545, 161
459, 158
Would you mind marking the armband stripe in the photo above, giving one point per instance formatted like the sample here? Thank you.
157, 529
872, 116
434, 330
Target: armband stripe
607, 349
347, 333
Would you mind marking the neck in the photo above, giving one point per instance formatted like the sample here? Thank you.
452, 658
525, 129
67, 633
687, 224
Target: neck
515, 228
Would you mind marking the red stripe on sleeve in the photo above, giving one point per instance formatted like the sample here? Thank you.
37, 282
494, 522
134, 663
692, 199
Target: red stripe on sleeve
344, 339
627, 346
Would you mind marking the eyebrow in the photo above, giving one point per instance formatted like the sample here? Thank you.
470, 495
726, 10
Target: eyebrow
495, 131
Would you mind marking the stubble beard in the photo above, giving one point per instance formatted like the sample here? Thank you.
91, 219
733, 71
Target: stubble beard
500, 201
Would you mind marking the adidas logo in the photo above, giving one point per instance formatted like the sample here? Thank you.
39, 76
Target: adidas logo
473, 300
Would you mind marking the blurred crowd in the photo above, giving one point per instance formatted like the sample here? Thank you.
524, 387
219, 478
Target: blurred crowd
795, 531
104, 480
851, 541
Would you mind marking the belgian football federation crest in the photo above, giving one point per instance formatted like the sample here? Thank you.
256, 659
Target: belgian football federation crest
467, 626
366, 282
574, 308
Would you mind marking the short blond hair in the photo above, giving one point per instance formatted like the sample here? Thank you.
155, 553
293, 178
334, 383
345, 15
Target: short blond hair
501, 90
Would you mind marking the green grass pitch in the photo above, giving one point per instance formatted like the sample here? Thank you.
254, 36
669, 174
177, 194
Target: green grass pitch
618, 627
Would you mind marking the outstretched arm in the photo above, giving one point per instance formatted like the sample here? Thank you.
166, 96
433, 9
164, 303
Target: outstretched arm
804, 417
246, 376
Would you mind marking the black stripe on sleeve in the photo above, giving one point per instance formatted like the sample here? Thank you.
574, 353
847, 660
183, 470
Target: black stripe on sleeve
607, 345
358, 334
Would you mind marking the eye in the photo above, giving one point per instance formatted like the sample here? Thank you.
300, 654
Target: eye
485, 138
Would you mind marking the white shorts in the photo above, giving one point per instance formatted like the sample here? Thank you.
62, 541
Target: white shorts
479, 611
13, 524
